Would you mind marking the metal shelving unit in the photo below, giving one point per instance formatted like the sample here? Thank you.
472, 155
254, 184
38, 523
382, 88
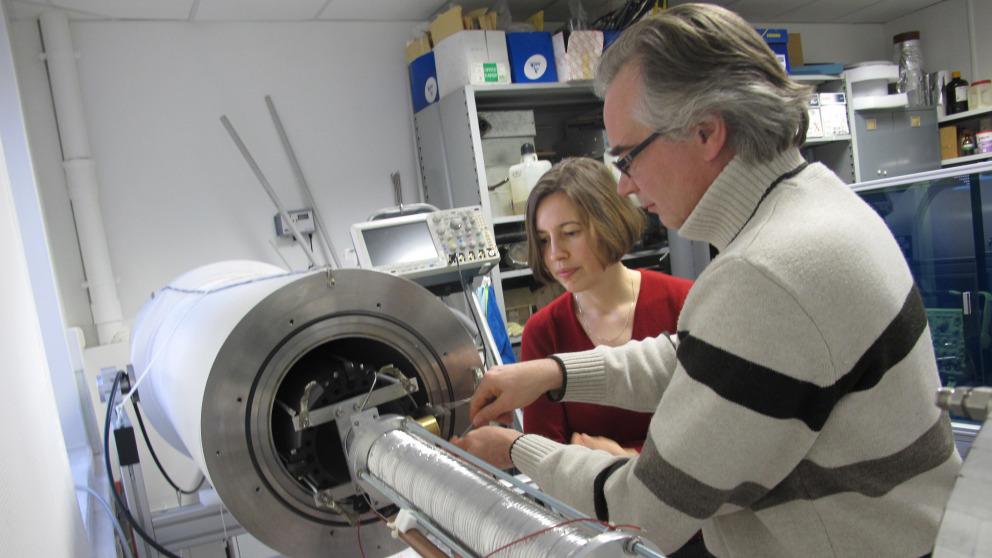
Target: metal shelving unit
453, 170
967, 117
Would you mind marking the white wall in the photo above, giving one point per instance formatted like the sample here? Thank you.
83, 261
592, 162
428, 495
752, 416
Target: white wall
835, 43
174, 190
40, 515
945, 35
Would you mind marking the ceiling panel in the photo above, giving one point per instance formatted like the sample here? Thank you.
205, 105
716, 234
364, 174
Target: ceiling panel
397, 10
785, 11
820, 11
885, 11
105, 9
257, 10
764, 10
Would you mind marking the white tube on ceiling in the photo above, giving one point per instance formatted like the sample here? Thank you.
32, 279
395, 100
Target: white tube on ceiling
80, 172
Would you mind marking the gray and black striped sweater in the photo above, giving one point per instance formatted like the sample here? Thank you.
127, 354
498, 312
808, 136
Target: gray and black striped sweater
794, 411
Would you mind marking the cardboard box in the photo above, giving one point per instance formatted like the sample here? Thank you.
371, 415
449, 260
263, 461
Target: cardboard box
778, 40
833, 114
577, 56
423, 82
417, 48
948, 142
532, 58
795, 50
446, 24
471, 58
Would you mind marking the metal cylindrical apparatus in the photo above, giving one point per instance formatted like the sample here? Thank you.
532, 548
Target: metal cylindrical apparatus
468, 508
233, 359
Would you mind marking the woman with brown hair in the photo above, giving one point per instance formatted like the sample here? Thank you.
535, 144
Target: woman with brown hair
578, 229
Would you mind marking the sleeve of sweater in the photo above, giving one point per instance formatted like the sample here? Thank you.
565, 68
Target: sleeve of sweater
690, 469
636, 374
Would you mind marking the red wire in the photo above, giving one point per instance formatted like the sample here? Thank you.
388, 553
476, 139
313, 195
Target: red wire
358, 530
358, 533
542, 531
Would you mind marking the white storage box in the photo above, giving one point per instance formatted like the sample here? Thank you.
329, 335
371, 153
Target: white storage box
471, 58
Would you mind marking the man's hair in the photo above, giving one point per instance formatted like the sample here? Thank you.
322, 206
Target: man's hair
699, 59
613, 222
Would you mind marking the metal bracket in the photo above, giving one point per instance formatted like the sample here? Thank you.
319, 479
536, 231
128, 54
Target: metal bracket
309, 418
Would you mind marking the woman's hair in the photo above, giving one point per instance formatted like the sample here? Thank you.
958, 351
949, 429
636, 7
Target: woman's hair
695, 60
613, 222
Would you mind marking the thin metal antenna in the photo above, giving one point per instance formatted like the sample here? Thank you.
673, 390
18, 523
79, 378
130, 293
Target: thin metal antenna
268, 188
298, 171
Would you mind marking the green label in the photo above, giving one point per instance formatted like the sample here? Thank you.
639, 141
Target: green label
489, 72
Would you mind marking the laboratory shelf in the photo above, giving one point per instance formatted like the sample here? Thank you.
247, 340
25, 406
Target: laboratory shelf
815, 79
526, 96
966, 115
828, 139
507, 219
966, 159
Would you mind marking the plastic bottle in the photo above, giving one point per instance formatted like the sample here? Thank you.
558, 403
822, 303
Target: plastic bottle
524, 176
956, 94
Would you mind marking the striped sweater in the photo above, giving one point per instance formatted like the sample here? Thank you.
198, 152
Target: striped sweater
794, 412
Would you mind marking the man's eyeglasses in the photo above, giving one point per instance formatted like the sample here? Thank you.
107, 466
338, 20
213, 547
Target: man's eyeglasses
624, 164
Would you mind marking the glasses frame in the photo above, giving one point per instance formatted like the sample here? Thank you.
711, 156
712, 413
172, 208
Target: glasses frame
623, 165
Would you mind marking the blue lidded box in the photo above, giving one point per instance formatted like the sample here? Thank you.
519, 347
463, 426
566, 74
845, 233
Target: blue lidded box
778, 41
532, 58
423, 81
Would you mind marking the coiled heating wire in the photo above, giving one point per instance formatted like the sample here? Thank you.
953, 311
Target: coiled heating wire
477, 510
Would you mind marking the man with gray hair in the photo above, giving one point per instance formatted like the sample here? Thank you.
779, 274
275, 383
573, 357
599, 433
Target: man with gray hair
794, 409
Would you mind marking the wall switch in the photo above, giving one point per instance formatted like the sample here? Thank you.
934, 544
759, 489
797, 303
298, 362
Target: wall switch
302, 218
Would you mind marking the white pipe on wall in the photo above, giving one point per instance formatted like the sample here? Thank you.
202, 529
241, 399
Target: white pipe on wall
80, 172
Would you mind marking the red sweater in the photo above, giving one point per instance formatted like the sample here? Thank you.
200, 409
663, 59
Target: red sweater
555, 329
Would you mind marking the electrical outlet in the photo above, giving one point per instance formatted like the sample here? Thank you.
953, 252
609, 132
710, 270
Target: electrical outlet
302, 218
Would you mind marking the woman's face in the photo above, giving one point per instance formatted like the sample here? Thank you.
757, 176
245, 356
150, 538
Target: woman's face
567, 245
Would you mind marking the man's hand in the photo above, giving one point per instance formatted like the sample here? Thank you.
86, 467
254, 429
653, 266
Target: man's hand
490, 444
512, 386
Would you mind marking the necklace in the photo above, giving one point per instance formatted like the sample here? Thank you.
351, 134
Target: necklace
630, 311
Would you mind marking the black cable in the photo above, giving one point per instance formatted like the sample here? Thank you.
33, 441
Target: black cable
148, 444
110, 475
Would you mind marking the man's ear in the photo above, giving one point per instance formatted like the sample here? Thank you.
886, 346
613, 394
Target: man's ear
712, 135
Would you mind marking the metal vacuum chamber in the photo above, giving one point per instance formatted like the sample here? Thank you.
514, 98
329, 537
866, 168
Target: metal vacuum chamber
255, 373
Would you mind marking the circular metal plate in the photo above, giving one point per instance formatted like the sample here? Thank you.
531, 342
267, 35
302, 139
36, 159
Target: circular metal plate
362, 315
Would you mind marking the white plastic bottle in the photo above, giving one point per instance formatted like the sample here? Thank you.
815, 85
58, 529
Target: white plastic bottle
524, 176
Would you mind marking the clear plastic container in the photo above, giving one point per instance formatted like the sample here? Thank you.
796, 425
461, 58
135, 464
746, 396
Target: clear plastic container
524, 176
980, 95
909, 56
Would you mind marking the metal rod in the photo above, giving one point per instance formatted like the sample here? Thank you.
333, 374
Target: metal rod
298, 171
268, 188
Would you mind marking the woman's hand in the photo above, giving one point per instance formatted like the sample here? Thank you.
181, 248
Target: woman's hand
602, 443
490, 444
512, 386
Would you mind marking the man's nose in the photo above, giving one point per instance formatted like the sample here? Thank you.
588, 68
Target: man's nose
625, 186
